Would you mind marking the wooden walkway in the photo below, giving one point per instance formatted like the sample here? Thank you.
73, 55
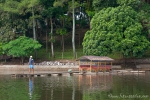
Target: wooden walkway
78, 73
43, 74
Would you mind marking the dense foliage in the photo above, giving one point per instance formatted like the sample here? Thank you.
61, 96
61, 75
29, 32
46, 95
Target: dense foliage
116, 30
41, 20
21, 47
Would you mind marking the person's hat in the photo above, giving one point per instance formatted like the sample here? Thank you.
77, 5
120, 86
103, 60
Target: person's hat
30, 56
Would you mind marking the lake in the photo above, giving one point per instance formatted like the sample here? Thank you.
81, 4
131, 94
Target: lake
76, 87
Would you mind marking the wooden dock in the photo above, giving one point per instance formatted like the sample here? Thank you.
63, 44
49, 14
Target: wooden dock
43, 74
77, 73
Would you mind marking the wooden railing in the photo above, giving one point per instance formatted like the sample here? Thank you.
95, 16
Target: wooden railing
95, 68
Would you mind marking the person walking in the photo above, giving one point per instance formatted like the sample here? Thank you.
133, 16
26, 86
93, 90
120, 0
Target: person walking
31, 65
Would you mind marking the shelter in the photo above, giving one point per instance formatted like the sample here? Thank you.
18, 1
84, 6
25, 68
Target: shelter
95, 63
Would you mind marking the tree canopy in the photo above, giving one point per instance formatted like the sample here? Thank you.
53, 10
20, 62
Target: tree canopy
21, 47
116, 30
42, 18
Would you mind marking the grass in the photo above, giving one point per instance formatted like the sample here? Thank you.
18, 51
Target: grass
67, 54
59, 55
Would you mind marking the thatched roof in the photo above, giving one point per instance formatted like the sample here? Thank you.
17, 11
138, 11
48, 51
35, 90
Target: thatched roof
95, 58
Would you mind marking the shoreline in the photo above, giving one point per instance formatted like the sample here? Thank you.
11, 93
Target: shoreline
59, 65
22, 69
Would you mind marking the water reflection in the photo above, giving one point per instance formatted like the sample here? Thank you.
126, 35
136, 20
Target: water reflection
31, 80
76, 87
96, 82
73, 87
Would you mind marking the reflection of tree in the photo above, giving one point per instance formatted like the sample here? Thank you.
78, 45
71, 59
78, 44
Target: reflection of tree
95, 82
88, 87
95, 87
60, 88
131, 85
73, 90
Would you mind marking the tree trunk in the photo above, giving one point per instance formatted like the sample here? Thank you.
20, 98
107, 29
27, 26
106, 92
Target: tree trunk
52, 46
46, 36
73, 32
22, 60
34, 34
62, 43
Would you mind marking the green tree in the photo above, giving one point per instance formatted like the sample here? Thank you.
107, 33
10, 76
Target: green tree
116, 30
73, 28
133, 3
87, 5
30, 7
100, 4
71, 8
62, 32
21, 47
15, 16
50, 12
6, 32
144, 12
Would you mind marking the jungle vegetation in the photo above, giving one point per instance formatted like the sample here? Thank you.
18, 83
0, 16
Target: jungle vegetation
103, 27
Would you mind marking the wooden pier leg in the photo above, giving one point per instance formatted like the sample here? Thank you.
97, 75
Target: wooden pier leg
48, 74
13, 75
38, 75
31, 75
71, 74
59, 74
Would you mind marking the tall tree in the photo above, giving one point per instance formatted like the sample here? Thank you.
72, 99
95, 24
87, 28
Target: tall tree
62, 32
32, 7
6, 31
50, 12
73, 29
89, 9
73, 5
6, 20
19, 12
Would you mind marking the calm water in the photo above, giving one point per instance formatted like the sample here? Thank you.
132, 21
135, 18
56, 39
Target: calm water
76, 87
